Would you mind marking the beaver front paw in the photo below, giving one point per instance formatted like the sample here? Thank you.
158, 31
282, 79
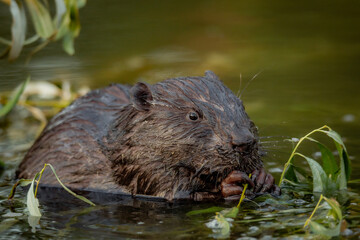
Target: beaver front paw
264, 182
260, 182
232, 185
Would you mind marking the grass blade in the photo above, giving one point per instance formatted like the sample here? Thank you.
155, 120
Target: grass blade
10, 104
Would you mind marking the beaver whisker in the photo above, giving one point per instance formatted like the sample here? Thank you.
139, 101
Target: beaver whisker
275, 136
248, 83
265, 142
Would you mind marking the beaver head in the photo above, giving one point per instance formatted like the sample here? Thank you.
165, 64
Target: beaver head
182, 135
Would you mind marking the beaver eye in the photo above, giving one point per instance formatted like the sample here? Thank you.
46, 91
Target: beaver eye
193, 116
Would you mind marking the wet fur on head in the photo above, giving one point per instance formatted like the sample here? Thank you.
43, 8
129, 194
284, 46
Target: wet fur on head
180, 136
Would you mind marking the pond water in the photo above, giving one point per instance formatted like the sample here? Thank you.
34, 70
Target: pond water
305, 57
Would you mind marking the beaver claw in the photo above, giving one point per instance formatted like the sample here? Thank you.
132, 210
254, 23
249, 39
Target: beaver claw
260, 182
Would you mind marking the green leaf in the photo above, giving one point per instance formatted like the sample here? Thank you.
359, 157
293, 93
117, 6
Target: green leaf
291, 175
31, 201
10, 104
329, 162
225, 225
345, 160
68, 44
300, 171
63, 28
345, 164
81, 3
335, 207
345, 167
68, 190
18, 29
31, 39
336, 137
41, 18
230, 213
202, 211
33, 222
327, 232
319, 176
5, 41
60, 11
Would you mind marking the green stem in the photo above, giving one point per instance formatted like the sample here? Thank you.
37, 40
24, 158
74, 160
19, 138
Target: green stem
296, 147
243, 193
38, 181
312, 214
57, 178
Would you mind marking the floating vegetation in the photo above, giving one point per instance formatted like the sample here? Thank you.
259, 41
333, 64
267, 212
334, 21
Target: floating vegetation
328, 177
32, 202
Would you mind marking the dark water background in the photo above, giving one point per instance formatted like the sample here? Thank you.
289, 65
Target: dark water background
306, 55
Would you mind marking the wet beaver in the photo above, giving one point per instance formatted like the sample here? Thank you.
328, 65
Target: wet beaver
186, 137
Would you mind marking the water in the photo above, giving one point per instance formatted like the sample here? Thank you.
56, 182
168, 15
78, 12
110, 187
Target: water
306, 59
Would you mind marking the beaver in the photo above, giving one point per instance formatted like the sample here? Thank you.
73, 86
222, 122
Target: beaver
182, 138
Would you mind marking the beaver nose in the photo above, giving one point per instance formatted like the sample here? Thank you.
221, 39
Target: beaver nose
243, 147
243, 143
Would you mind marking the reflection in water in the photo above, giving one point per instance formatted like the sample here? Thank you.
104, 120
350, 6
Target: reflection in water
308, 55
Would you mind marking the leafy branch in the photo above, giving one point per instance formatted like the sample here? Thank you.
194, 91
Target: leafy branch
328, 176
334, 212
32, 201
65, 25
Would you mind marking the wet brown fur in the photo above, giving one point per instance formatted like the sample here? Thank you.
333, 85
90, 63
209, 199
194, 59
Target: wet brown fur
140, 140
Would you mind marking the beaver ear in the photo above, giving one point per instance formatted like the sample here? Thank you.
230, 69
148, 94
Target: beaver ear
211, 75
141, 96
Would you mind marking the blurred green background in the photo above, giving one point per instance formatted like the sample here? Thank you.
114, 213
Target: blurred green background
307, 55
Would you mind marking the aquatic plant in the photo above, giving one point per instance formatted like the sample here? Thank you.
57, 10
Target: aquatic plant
32, 202
15, 98
65, 25
327, 178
